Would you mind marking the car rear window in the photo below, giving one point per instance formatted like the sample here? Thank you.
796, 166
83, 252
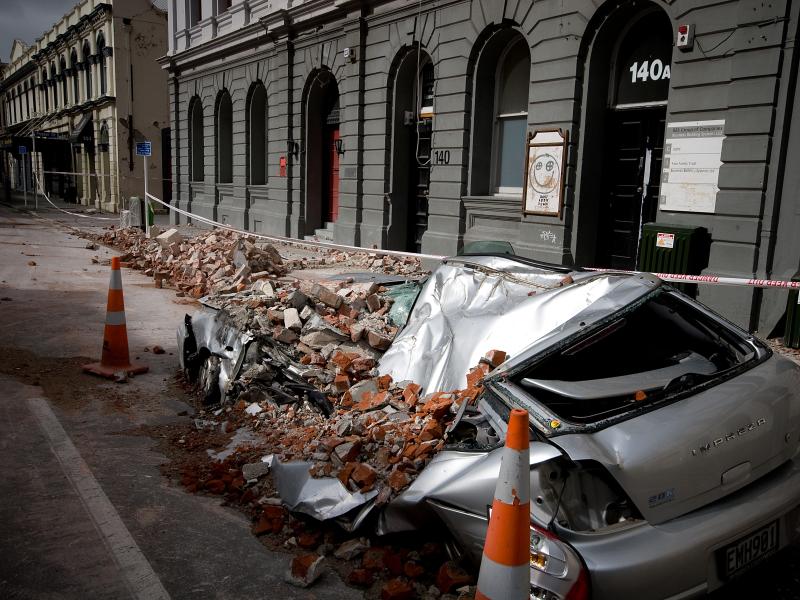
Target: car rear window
663, 347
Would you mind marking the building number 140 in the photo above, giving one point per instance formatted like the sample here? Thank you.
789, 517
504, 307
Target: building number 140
649, 70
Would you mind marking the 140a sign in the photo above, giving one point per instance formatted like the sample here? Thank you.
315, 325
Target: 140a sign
649, 71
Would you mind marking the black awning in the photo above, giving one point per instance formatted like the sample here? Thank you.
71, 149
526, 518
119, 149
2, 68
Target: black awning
75, 134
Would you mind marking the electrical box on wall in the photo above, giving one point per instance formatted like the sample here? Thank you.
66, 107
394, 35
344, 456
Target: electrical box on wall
349, 54
685, 40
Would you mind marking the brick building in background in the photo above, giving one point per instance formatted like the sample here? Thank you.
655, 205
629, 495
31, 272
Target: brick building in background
403, 124
87, 90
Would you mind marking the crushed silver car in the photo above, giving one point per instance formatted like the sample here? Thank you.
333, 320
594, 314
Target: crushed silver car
664, 439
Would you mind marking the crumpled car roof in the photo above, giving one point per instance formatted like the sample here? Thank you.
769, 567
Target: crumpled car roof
472, 304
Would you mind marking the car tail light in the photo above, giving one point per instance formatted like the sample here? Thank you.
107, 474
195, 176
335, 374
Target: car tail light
563, 576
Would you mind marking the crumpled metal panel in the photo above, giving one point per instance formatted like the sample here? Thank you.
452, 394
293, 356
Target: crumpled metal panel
471, 305
321, 498
215, 330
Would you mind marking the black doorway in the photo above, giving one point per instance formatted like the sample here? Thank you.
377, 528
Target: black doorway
632, 173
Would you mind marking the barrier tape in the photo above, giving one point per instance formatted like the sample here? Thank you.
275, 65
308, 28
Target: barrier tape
73, 173
295, 241
717, 280
671, 277
82, 173
46, 197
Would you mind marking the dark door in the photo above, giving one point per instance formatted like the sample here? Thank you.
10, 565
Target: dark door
332, 175
632, 173
419, 184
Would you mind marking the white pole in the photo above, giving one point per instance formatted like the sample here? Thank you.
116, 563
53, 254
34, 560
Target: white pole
146, 202
25, 181
35, 168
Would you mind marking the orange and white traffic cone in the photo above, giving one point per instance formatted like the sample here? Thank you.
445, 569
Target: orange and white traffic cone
505, 566
115, 358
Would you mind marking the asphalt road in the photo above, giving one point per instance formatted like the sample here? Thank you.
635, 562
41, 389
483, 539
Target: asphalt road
84, 510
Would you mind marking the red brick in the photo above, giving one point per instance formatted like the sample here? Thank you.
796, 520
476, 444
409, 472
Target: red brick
345, 472
431, 431
301, 565
309, 539
342, 383
364, 475
360, 578
413, 570
398, 480
496, 357
384, 381
216, 486
397, 589
451, 576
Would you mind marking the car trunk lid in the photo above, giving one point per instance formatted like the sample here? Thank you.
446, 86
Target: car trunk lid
689, 453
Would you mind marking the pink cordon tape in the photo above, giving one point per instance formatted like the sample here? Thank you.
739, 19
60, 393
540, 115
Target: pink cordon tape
716, 279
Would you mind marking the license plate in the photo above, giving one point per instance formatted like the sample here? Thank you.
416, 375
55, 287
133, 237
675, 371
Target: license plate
749, 550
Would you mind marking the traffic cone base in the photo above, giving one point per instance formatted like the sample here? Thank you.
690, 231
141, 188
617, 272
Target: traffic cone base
115, 357
111, 372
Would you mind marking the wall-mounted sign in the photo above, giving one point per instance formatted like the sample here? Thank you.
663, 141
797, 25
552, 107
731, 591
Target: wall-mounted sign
144, 149
543, 186
692, 158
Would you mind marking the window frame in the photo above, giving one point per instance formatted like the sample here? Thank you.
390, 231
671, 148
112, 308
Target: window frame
258, 87
497, 118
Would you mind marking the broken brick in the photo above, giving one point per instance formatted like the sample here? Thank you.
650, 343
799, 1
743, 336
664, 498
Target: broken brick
451, 576
397, 589
360, 578
364, 475
496, 357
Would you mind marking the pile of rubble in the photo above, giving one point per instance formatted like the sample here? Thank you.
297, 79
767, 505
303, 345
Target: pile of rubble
380, 435
214, 262
222, 261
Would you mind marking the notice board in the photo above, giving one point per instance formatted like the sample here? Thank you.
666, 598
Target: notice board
692, 158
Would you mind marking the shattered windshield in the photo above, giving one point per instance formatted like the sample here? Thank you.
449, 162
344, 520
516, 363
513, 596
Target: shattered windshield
660, 348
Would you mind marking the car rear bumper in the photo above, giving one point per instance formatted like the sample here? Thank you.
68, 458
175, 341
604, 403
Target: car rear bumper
677, 559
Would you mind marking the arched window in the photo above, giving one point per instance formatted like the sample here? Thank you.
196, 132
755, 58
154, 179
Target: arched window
44, 91
33, 92
257, 135
53, 85
73, 64
224, 135
87, 68
511, 117
63, 68
101, 45
196, 153
501, 90
27, 101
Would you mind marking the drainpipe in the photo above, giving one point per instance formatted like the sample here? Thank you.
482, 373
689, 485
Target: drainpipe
780, 171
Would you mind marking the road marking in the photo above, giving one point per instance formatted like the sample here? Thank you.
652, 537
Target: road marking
141, 579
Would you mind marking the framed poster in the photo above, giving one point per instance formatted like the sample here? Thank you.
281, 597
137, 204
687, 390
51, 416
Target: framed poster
543, 185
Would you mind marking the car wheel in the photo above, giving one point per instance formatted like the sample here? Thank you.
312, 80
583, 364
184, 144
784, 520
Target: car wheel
208, 380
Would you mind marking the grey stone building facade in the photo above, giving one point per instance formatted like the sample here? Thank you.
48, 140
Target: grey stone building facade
403, 124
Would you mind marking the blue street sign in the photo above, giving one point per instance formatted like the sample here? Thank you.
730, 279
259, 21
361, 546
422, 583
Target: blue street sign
23, 149
144, 149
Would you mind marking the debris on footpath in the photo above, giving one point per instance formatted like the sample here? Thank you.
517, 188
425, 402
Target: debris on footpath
220, 261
